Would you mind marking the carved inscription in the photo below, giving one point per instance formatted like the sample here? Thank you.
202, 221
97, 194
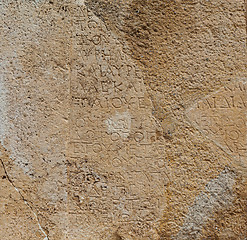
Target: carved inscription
116, 166
222, 117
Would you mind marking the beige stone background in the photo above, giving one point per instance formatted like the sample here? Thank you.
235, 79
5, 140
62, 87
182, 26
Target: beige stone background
123, 120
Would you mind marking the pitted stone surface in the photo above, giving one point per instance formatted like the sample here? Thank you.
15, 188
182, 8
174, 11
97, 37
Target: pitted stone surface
123, 120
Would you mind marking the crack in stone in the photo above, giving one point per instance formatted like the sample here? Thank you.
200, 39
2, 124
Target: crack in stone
25, 201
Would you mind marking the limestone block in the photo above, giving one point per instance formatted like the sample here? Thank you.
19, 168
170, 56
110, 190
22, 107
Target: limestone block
123, 120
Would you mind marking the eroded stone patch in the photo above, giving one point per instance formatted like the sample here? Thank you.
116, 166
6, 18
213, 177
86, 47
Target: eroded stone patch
119, 124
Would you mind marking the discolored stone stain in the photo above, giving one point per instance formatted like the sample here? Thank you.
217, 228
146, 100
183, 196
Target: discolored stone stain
186, 50
119, 124
230, 221
218, 192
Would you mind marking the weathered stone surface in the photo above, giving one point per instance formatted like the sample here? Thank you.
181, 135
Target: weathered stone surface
123, 119
18, 220
222, 117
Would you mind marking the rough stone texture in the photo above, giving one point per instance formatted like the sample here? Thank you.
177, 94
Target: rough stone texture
221, 116
123, 120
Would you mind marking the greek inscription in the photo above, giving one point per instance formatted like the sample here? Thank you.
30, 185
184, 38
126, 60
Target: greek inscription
116, 156
221, 116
